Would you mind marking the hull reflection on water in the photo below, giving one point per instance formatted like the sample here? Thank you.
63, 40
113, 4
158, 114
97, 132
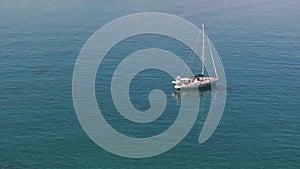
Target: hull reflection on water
216, 96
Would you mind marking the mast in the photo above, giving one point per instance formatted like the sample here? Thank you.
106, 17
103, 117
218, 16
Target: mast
203, 51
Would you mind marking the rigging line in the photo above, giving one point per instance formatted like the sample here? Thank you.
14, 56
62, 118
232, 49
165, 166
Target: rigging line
212, 58
191, 58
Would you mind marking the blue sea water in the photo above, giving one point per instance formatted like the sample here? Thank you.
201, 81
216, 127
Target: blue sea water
258, 43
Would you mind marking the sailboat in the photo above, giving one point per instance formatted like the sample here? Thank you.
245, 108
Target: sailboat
199, 80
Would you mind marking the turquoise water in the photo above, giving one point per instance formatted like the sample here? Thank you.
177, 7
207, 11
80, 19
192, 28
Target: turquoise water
258, 43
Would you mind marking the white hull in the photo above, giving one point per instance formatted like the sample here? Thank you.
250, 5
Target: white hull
192, 83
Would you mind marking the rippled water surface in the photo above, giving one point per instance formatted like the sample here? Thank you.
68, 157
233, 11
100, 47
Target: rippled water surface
258, 43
